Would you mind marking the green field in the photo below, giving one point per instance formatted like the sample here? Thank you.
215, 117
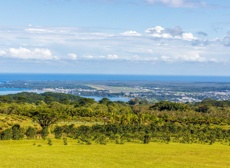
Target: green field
38, 154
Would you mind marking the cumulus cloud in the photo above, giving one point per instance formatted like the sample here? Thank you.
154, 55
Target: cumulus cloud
177, 3
28, 54
131, 33
170, 33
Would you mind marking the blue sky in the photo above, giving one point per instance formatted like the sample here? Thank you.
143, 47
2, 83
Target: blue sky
154, 37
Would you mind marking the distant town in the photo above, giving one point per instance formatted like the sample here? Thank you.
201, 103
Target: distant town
149, 91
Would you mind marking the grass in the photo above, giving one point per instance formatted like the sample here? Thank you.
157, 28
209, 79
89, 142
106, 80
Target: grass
38, 154
7, 121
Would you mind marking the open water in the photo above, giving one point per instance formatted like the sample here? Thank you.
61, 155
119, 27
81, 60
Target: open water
91, 77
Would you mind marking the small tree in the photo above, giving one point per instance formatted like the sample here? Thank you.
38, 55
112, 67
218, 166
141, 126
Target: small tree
58, 132
30, 132
17, 132
6, 134
45, 116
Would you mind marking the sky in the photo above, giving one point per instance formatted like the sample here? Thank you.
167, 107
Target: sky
149, 37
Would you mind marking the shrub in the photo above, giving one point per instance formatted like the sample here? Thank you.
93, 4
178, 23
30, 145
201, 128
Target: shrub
58, 132
17, 132
6, 134
50, 142
30, 132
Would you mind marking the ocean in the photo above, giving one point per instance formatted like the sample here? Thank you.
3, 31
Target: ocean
4, 77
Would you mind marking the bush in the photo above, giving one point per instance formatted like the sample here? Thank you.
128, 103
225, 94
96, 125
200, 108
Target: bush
17, 132
6, 134
146, 139
30, 132
50, 142
58, 132
65, 141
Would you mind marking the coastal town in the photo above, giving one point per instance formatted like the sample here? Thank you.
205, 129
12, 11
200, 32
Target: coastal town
151, 94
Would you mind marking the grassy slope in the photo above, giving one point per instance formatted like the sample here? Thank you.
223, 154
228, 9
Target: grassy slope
23, 153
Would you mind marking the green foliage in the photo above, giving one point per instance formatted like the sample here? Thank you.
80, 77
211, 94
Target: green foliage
44, 132
65, 141
170, 106
205, 122
6, 134
30, 132
146, 139
17, 132
45, 116
50, 143
104, 101
58, 132
101, 139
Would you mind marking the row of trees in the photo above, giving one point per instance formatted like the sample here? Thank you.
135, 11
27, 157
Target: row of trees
119, 134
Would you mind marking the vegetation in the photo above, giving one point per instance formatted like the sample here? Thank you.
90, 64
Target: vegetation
136, 121
65, 124
38, 153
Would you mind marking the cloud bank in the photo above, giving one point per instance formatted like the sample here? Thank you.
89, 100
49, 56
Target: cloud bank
72, 47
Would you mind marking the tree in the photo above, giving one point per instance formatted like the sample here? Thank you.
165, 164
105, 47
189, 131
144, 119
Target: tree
49, 99
45, 116
6, 134
17, 132
104, 101
58, 132
30, 132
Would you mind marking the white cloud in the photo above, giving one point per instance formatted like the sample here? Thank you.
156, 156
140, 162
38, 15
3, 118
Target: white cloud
177, 3
72, 56
2, 52
155, 30
170, 33
113, 57
191, 58
103, 57
158, 45
188, 57
28, 54
131, 33
188, 36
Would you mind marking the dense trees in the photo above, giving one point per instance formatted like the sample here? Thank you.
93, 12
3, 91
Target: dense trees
204, 122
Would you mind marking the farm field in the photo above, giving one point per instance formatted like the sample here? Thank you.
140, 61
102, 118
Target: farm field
38, 154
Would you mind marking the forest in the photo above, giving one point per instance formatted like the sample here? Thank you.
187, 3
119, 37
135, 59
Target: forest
64, 116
